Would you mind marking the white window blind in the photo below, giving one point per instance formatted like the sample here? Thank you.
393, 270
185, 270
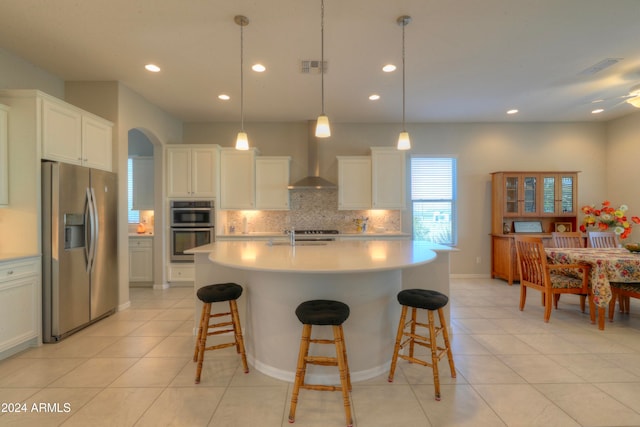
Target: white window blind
134, 216
433, 197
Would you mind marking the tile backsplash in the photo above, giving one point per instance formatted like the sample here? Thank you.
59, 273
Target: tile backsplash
309, 209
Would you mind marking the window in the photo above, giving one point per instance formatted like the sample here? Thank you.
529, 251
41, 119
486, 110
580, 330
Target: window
433, 198
134, 216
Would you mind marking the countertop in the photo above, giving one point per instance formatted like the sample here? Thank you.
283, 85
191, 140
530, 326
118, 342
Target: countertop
275, 234
349, 256
11, 256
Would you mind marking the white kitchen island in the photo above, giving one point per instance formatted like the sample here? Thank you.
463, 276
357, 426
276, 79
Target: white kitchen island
366, 275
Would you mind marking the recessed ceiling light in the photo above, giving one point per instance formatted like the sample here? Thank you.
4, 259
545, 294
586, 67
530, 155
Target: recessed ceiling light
389, 68
224, 97
258, 68
152, 67
598, 111
374, 97
512, 111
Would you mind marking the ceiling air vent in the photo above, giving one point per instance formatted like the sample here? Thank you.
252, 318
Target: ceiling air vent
313, 67
596, 68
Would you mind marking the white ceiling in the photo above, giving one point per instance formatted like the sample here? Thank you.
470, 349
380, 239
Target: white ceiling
466, 60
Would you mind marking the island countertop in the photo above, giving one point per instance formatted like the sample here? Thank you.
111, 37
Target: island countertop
321, 257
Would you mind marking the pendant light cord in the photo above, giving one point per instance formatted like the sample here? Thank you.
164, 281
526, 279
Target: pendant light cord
241, 78
404, 24
322, 51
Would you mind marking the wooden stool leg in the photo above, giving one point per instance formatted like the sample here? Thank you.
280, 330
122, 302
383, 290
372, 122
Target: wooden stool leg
414, 317
434, 353
445, 335
300, 370
344, 371
200, 327
346, 360
237, 330
203, 340
396, 347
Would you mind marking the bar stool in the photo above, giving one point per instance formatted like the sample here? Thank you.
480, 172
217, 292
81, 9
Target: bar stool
219, 293
431, 301
322, 313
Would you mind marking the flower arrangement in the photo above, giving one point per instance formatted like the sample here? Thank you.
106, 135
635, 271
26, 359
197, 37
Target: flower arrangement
607, 217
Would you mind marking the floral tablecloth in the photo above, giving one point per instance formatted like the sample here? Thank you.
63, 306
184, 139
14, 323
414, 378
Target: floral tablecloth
607, 265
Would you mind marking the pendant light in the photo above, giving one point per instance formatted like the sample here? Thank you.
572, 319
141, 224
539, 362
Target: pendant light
323, 130
242, 142
404, 143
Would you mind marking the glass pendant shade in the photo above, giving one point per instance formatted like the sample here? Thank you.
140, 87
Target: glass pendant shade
323, 130
404, 143
242, 142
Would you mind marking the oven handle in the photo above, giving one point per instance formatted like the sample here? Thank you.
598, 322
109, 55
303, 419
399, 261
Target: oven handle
192, 228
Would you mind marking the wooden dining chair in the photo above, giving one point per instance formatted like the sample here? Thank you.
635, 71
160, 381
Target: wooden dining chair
571, 239
549, 279
603, 239
622, 292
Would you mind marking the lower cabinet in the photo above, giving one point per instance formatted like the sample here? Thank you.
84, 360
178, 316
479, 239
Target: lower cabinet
182, 272
20, 307
504, 260
140, 259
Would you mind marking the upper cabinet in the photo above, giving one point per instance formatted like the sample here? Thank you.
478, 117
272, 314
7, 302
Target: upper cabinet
354, 182
237, 179
71, 135
388, 178
534, 194
272, 180
192, 170
4, 160
558, 194
372, 182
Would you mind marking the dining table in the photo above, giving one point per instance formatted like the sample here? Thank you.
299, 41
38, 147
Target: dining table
607, 265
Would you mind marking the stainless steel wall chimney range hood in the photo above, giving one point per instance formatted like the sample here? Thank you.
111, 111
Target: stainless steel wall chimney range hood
313, 181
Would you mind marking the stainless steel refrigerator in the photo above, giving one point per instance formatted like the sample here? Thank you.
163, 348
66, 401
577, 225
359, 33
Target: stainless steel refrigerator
79, 248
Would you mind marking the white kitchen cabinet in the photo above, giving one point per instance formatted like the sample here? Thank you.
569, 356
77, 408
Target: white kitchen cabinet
272, 181
388, 175
237, 179
71, 135
354, 182
140, 259
192, 170
142, 181
4, 153
184, 272
20, 308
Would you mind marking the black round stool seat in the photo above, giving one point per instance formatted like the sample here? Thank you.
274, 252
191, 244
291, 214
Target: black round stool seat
322, 312
423, 298
219, 292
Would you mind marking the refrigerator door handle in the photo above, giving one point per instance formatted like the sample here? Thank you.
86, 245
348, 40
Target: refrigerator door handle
90, 224
96, 228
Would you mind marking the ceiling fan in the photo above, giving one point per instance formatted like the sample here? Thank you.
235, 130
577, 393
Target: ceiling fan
632, 98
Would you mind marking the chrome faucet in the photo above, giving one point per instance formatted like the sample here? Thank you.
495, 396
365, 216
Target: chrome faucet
292, 236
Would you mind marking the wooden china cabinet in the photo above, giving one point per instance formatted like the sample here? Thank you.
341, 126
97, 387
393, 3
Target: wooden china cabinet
536, 203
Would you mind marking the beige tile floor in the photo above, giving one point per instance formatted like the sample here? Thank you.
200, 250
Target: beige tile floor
135, 368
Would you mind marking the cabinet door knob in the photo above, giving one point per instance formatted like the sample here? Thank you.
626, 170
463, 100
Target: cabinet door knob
9, 273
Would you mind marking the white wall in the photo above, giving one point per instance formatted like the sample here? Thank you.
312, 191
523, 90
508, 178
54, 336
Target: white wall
481, 148
16, 73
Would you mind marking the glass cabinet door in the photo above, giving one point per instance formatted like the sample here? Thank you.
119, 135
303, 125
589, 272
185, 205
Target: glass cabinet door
559, 194
511, 184
549, 194
530, 195
568, 195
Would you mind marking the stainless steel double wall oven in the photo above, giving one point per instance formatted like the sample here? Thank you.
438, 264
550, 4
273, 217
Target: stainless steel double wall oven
192, 224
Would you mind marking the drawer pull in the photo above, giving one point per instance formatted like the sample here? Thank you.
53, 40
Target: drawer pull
9, 273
